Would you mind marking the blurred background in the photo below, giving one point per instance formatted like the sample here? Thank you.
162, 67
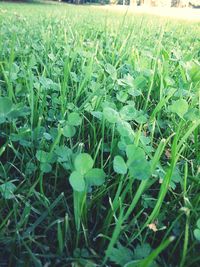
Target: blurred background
141, 3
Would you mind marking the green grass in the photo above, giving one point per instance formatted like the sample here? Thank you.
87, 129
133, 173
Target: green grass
99, 138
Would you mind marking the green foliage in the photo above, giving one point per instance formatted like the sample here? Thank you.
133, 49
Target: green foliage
7, 190
197, 230
83, 163
74, 119
5, 108
99, 138
121, 255
95, 177
119, 165
85, 174
138, 166
77, 182
111, 115
46, 159
69, 131
180, 107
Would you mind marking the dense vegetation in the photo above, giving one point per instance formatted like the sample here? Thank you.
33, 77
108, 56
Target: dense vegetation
99, 138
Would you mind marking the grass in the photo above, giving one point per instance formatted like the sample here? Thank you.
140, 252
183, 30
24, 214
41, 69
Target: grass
99, 138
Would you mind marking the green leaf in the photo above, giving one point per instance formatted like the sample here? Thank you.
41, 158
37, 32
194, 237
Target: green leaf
64, 153
124, 128
138, 166
77, 182
197, 234
132, 152
74, 119
83, 163
119, 165
110, 69
134, 92
140, 169
95, 177
140, 82
18, 111
111, 115
45, 167
128, 80
97, 114
192, 114
194, 71
7, 190
2, 119
69, 131
47, 136
198, 223
128, 113
5, 106
134, 85
122, 96
30, 168
41, 156
142, 251
45, 157
180, 107
176, 178
141, 117
121, 255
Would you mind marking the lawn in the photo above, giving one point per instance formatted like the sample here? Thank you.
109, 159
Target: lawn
99, 138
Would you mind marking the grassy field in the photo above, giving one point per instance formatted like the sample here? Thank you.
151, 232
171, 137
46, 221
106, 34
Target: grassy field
99, 138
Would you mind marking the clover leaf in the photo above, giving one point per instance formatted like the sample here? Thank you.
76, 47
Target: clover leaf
5, 108
69, 131
85, 174
7, 190
180, 107
128, 113
111, 115
138, 166
119, 165
83, 163
77, 182
45, 159
74, 119
95, 176
124, 129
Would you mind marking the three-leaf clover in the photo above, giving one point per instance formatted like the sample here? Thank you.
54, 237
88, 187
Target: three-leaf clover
45, 159
84, 174
73, 121
113, 116
137, 164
